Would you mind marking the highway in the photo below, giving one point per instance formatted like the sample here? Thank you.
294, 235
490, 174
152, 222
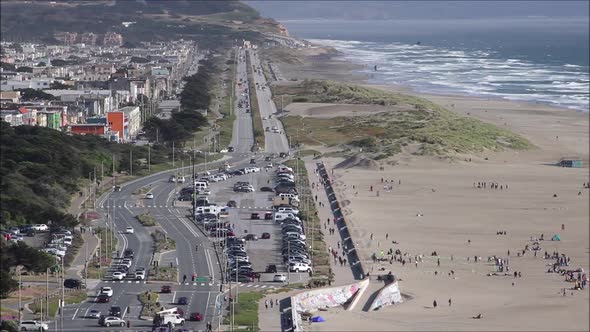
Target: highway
273, 142
124, 206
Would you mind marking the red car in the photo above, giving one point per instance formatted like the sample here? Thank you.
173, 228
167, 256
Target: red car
166, 289
255, 216
179, 312
196, 316
103, 298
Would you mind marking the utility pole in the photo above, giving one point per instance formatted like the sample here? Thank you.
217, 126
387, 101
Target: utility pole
149, 157
63, 295
20, 283
172, 154
194, 188
46, 293
130, 162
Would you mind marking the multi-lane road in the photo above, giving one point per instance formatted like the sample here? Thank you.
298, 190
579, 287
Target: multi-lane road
124, 206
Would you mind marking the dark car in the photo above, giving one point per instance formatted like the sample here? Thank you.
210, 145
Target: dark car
182, 300
117, 188
103, 298
265, 236
251, 237
272, 268
267, 158
232, 204
115, 311
196, 316
241, 278
128, 253
166, 289
267, 189
230, 149
282, 154
268, 216
252, 161
255, 216
73, 283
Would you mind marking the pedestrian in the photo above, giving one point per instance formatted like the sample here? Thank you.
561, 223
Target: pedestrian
271, 303
128, 324
184, 279
438, 262
434, 304
386, 236
266, 303
371, 236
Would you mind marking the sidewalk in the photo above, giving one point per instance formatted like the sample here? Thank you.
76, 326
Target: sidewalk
342, 274
86, 251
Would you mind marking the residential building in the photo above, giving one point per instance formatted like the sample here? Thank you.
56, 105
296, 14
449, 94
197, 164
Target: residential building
10, 97
12, 116
112, 39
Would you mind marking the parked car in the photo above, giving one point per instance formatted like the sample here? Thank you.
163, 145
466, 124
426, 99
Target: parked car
266, 189
251, 237
255, 216
149, 196
40, 227
271, 268
299, 267
232, 204
265, 236
32, 325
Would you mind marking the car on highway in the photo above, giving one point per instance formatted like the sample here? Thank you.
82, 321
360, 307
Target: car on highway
118, 275
32, 325
128, 253
115, 311
129, 230
196, 316
251, 237
166, 289
182, 300
108, 291
279, 278
149, 196
230, 149
140, 275
240, 277
93, 314
103, 298
117, 188
172, 179
112, 321
265, 236
232, 204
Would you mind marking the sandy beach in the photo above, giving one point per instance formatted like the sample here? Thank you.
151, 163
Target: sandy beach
429, 204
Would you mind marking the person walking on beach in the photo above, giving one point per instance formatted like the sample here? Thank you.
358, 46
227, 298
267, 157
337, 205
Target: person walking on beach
449, 302
434, 304
438, 262
266, 303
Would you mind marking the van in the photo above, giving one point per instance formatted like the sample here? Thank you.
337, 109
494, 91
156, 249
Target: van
201, 185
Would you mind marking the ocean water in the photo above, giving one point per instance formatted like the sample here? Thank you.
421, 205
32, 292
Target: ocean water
526, 59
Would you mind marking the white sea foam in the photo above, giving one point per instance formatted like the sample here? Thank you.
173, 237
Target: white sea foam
475, 72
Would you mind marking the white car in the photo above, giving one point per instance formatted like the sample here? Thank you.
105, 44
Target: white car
118, 276
108, 291
93, 314
32, 325
129, 230
127, 262
67, 242
180, 179
139, 275
40, 227
149, 196
299, 267
255, 169
113, 321
205, 192
279, 278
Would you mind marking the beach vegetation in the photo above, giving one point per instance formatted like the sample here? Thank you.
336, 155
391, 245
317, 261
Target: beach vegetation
246, 311
255, 109
436, 130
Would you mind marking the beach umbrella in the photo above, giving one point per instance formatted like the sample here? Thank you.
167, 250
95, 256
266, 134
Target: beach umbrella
556, 237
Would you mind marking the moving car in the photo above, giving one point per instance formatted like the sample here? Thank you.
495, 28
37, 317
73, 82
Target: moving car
117, 188
129, 230
108, 291
115, 311
149, 196
279, 278
196, 316
265, 236
32, 325
251, 237
139, 275
112, 321
255, 216
128, 253
271, 268
166, 289
118, 275
103, 298
182, 300
93, 314
73, 283
232, 204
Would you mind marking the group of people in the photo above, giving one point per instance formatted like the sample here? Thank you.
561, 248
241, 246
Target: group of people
491, 185
272, 303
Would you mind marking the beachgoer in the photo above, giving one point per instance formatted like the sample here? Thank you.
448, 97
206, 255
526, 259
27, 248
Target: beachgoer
434, 304
449, 302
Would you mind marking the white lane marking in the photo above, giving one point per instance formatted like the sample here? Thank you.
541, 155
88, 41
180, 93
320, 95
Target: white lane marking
263, 286
209, 265
176, 261
86, 312
75, 313
256, 286
249, 286
173, 297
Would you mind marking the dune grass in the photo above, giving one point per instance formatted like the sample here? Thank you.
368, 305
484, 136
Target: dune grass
437, 130
254, 108
246, 311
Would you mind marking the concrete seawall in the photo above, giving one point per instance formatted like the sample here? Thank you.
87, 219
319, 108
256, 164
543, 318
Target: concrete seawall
331, 297
388, 295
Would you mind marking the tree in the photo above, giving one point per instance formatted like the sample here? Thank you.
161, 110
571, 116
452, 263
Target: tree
9, 325
60, 86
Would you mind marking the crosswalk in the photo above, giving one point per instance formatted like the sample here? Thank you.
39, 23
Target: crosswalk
200, 284
172, 206
124, 281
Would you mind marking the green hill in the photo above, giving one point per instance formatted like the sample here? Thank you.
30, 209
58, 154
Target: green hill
208, 22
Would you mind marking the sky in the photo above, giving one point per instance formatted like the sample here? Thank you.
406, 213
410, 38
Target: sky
365, 9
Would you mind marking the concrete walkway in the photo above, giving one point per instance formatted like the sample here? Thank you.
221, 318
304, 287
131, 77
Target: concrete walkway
342, 274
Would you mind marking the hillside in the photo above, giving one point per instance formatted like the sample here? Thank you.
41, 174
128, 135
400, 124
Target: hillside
208, 22
38, 180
